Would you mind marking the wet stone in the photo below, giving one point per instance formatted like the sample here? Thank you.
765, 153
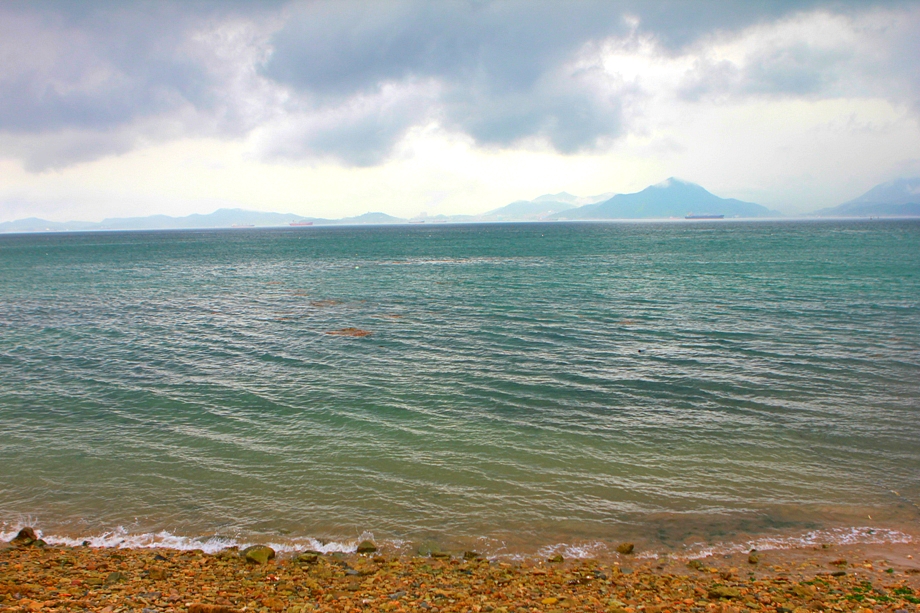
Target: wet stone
258, 554
157, 574
229, 553
625, 548
429, 548
211, 608
721, 591
24, 537
308, 557
115, 577
366, 547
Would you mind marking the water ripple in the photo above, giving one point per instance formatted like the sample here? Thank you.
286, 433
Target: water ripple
525, 385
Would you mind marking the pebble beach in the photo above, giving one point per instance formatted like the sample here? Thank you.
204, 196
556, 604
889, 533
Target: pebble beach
35, 576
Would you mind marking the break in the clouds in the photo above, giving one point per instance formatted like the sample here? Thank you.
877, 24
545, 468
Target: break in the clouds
348, 80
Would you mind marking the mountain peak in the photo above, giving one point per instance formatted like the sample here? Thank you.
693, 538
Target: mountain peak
673, 182
672, 197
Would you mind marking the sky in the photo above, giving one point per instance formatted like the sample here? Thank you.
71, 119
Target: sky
337, 108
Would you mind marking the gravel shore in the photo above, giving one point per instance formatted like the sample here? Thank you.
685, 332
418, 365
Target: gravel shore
39, 577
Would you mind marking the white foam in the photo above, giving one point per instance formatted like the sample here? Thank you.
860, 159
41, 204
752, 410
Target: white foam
122, 539
578, 551
857, 535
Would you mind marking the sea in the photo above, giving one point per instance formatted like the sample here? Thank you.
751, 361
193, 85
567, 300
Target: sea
515, 389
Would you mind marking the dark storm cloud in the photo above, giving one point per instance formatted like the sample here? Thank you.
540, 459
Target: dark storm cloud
90, 72
356, 76
95, 66
503, 65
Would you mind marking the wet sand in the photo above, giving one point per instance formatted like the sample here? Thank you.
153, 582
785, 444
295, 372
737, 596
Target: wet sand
34, 578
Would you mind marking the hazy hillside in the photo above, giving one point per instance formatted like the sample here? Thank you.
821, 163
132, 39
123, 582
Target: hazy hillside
34, 224
560, 197
221, 218
523, 210
898, 198
369, 218
540, 208
670, 198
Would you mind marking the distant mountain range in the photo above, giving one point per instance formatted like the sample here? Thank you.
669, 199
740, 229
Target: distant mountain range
668, 199
221, 218
898, 198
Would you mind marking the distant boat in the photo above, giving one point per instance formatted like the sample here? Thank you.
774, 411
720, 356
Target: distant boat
301, 223
243, 225
692, 216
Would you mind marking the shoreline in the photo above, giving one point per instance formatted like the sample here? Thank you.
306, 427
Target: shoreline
492, 547
858, 577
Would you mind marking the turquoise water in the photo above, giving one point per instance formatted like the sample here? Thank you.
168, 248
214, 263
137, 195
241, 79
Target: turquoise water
523, 386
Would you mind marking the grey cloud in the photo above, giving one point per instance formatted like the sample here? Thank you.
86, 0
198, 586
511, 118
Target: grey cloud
108, 70
339, 47
89, 77
882, 64
499, 63
360, 132
96, 70
503, 64
566, 111
793, 70
54, 151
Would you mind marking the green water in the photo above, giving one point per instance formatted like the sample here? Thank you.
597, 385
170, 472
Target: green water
523, 385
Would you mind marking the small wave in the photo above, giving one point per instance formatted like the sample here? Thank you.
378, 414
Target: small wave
120, 538
861, 535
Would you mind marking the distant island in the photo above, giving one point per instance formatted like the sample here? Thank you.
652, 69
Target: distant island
670, 199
